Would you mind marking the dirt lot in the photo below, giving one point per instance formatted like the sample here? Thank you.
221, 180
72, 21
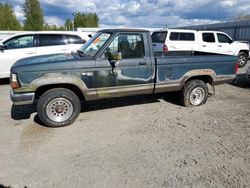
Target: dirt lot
145, 141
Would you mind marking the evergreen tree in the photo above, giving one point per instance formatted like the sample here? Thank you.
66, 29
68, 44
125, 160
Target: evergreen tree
86, 20
54, 27
68, 25
33, 15
8, 20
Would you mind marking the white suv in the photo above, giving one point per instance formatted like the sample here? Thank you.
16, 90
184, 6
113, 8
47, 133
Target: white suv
29, 44
203, 41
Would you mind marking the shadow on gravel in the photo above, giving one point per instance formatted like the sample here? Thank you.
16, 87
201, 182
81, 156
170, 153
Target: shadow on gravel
241, 81
4, 81
22, 111
25, 111
172, 97
119, 102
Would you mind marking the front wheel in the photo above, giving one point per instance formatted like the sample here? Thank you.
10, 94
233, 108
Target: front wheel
243, 57
58, 107
194, 93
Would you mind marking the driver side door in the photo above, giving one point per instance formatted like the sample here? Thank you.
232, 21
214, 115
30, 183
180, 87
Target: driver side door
133, 73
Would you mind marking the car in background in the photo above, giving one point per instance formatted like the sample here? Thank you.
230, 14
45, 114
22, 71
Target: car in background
23, 45
201, 41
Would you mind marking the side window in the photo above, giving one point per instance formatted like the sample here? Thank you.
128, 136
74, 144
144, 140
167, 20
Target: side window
174, 36
208, 37
130, 45
186, 36
51, 40
73, 39
159, 37
222, 38
19, 42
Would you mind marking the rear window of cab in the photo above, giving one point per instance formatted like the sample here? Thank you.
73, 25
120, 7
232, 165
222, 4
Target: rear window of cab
159, 37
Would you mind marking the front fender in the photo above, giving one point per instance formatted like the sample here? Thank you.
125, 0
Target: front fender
59, 79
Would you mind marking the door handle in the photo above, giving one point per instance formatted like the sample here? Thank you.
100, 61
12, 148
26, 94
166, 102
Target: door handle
220, 45
154, 44
142, 63
204, 45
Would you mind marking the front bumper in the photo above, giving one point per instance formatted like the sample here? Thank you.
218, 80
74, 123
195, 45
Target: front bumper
22, 98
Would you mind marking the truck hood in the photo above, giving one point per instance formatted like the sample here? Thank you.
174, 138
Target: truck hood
48, 62
242, 44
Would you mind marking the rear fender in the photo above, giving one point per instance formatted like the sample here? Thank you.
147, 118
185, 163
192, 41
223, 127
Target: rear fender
199, 73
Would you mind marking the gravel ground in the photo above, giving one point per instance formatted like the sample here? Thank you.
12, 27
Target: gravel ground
143, 141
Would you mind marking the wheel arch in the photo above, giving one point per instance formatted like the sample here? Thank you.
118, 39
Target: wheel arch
205, 78
42, 89
208, 76
244, 51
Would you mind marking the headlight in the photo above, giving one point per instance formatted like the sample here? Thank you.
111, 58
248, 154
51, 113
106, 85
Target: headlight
14, 83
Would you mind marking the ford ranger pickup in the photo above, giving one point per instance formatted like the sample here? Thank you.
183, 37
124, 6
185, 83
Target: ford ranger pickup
113, 63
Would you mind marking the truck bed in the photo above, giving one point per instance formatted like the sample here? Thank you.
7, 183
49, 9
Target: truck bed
172, 70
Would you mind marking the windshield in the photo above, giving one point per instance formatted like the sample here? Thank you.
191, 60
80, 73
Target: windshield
95, 43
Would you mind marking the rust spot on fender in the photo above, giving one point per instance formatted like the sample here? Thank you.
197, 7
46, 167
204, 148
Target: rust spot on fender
207, 71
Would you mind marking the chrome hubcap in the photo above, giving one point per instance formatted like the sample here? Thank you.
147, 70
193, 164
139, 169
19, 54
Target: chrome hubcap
59, 110
197, 96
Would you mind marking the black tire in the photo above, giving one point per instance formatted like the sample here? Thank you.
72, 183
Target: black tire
198, 89
243, 58
58, 107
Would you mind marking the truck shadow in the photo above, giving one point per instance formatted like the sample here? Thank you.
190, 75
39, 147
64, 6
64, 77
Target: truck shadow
22, 111
25, 111
4, 81
241, 81
171, 97
118, 102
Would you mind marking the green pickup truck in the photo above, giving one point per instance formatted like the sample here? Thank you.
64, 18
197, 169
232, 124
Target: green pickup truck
113, 63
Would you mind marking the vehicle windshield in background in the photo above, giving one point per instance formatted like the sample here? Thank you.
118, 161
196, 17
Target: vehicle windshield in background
159, 37
94, 44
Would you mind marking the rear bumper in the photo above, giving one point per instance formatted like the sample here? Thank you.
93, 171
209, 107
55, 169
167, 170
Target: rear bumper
22, 98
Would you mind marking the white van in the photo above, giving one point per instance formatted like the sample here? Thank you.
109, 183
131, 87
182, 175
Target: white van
30, 44
204, 41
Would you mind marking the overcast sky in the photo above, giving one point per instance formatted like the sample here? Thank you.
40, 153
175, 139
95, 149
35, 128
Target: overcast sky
141, 13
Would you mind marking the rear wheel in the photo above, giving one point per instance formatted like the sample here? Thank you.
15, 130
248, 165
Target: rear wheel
58, 107
194, 93
243, 57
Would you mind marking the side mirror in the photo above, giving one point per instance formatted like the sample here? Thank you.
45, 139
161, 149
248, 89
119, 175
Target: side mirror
116, 56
